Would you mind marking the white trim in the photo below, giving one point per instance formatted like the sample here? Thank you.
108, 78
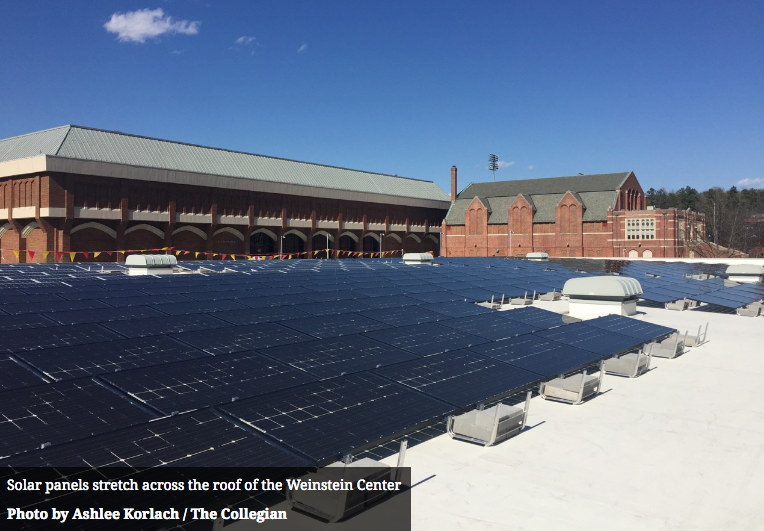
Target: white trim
233, 220
26, 231
52, 212
94, 225
323, 233
229, 230
24, 212
297, 233
5, 228
143, 226
414, 237
189, 228
97, 213
373, 235
394, 237
431, 237
140, 215
268, 233
351, 235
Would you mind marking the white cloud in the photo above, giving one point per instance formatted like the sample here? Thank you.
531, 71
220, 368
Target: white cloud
177, 52
531, 167
302, 48
751, 183
137, 26
244, 40
505, 164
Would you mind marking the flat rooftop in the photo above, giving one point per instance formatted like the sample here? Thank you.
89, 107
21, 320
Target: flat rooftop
679, 448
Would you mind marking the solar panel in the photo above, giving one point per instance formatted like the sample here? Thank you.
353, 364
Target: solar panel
324, 296
207, 382
457, 309
404, 315
103, 315
426, 338
19, 322
15, 376
335, 326
260, 315
390, 302
74, 362
326, 419
461, 377
60, 412
631, 327
436, 297
583, 336
331, 357
540, 318
242, 338
143, 300
199, 307
332, 307
493, 325
55, 336
167, 324
196, 439
51, 305
543, 357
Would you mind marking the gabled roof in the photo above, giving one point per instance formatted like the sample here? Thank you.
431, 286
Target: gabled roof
596, 193
553, 185
87, 144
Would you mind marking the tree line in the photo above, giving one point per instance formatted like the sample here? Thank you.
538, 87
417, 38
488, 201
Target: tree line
734, 218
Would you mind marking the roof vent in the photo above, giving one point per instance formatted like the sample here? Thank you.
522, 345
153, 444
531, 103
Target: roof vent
150, 264
417, 258
537, 256
745, 273
592, 297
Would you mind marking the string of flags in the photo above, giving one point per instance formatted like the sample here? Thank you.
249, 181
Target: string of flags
332, 253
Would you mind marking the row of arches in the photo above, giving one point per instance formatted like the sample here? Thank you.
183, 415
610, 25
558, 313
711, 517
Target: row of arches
93, 236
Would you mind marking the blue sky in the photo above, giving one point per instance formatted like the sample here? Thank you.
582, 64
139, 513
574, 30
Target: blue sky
673, 90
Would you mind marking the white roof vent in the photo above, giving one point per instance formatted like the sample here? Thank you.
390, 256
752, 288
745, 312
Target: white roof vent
591, 297
417, 258
745, 272
537, 256
150, 264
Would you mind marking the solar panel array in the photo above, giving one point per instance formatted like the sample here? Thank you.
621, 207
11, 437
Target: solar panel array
273, 363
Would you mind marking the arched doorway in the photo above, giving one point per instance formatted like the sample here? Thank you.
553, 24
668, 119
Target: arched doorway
370, 245
293, 244
262, 243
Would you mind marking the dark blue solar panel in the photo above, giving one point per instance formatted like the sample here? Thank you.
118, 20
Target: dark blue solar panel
104, 315
143, 300
530, 352
110, 356
332, 307
242, 338
260, 315
396, 301
493, 326
586, 337
540, 318
461, 377
19, 322
51, 305
199, 307
404, 315
15, 376
207, 382
324, 296
59, 412
167, 324
54, 336
457, 309
329, 418
331, 357
436, 297
631, 327
426, 338
196, 439
335, 326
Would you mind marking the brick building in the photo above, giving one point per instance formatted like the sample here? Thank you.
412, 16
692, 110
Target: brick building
582, 215
79, 189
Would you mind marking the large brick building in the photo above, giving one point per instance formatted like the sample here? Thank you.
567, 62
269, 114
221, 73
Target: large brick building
79, 189
582, 215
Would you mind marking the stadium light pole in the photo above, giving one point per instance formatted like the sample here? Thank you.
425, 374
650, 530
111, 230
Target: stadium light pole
493, 164
327, 246
510, 242
281, 248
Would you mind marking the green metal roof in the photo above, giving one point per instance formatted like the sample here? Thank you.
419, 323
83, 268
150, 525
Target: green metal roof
88, 144
596, 193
